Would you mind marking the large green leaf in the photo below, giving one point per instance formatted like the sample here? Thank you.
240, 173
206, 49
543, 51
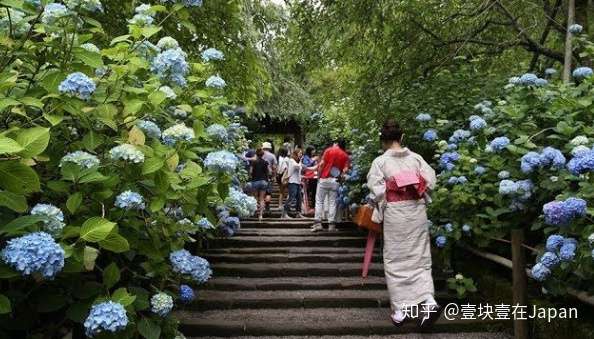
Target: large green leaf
96, 229
52, 80
15, 202
18, 178
74, 202
33, 140
4, 304
111, 275
90, 254
115, 243
9, 146
152, 165
89, 58
18, 224
149, 329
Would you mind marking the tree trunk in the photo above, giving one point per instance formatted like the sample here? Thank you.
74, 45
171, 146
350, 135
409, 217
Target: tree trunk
568, 45
520, 284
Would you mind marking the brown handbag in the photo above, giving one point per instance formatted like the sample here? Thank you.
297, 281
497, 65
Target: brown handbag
363, 219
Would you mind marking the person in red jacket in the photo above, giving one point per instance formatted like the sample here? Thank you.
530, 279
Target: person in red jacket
332, 166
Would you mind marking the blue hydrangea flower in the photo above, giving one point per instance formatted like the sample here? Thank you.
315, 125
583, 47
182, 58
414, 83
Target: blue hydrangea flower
129, 200
448, 227
204, 223
215, 81
241, 203
13, 21
107, 316
530, 161
184, 263
514, 80
175, 133
550, 71
90, 47
126, 152
143, 16
448, 158
561, 213
88, 5
177, 112
552, 157
78, 84
508, 187
149, 128
186, 294
452, 147
161, 304
54, 217
171, 66
503, 175
441, 241
567, 250
498, 144
579, 151
550, 260
217, 132
221, 161
580, 140
541, 82
525, 188
167, 43
212, 54
53, 12
466, 228
581, 163
34, 253
81, 158
168, 91
146, 50
430, 135
582, 73
540, 272
477, 123
423, 117
479, 170
575, 29
528, 79
459, 136
554, 242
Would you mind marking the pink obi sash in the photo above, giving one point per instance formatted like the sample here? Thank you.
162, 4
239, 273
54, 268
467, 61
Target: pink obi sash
405, 185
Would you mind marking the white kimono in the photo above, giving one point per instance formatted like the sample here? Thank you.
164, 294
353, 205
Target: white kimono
407, 255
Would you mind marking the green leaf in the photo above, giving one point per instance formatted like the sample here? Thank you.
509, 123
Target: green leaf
88, 58
96, 229
149, 31
149, 329
122, 296
152, 165
92, 140
9, 146
29, 101
7, 102
52, 80
18, 178
120, 38
15, 226
15, 202
132, 106
90, 254
74, 201
4, 305
6, 272
115, 243
33, 140
156, 98
111, 275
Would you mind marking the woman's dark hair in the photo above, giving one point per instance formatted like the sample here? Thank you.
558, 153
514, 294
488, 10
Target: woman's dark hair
259, 152
309, 151
391, 131
282, 152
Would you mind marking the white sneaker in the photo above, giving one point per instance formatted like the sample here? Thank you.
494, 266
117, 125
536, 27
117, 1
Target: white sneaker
317, 228
332, 228
398, 317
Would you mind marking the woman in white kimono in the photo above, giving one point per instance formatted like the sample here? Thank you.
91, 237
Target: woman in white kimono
399, 181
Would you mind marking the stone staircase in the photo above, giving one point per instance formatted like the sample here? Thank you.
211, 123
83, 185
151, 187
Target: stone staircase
276, 278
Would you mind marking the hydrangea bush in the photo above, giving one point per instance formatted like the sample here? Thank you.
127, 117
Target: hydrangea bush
105, 192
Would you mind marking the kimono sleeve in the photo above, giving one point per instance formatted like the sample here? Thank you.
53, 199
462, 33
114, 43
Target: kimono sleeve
428, 173
376, 181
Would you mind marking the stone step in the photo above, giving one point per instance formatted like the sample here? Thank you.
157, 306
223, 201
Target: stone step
211, 300
316, 322
290, 232
297, 241
295, 283
292, 250
288, 258
273, 270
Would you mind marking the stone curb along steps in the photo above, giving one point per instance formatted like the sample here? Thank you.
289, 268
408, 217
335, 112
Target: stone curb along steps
276, 278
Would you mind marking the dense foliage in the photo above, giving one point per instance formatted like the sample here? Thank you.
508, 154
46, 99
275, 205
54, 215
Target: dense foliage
103, 180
